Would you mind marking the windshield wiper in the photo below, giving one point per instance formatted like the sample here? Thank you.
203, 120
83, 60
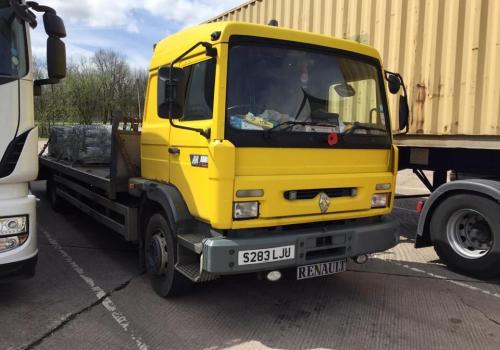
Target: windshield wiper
5, 76
293, 123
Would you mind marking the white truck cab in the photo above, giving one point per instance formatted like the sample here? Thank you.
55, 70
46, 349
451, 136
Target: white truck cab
18, 134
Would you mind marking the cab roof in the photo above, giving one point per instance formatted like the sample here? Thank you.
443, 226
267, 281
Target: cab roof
174, 45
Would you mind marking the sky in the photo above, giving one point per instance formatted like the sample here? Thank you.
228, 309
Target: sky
128, 27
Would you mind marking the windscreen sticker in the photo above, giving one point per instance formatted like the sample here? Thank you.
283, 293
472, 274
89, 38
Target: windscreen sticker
199, 160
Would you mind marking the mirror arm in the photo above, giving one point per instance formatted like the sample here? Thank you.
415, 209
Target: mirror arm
211, 52
40, 8
23, 12
203, 132
50, 81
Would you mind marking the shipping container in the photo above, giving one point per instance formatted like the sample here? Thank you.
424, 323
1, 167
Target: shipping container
448, 52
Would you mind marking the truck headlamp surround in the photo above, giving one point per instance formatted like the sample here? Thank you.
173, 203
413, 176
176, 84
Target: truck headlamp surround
380, 200
245, 210
13, 225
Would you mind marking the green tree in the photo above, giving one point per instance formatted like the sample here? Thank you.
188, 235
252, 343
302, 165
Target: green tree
93, 89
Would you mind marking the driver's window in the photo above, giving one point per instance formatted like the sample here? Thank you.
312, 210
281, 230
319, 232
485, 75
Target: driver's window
200, 91
361, 107
12, 44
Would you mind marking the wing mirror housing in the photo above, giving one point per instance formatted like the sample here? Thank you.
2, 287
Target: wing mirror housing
56, 58
404, 113
395, 83
171, 91
54, 25
56, 49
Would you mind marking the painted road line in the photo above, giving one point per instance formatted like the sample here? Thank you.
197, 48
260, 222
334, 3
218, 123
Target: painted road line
107, 303
447, 279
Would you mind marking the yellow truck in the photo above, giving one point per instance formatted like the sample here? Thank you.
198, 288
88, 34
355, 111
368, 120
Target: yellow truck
261, 150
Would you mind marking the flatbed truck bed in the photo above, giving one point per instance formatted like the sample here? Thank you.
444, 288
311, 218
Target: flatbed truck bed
100, 191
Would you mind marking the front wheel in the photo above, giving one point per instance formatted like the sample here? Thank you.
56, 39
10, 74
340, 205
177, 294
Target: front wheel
466, 233
161, 254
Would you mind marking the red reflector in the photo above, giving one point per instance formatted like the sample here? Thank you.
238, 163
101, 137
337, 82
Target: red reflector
420, 206
333, 139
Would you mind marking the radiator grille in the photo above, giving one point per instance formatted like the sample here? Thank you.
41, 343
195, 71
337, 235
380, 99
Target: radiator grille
311, 193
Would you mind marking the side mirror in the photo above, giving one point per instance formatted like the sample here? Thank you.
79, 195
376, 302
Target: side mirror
394, 83
54, 25
171, 89
56, 58
404, 112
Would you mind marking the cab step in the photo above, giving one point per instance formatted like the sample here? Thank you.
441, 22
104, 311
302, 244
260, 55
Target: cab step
192, 271
191, 241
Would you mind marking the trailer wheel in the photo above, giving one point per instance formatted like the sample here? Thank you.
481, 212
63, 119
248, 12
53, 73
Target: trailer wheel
161, 254
56, 202
466, 233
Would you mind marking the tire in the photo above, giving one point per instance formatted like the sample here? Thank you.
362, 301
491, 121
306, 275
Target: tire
465, 230
165, 279
57, 203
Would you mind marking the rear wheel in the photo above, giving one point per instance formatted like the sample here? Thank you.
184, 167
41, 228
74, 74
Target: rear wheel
161, 254
56, 202
466, 233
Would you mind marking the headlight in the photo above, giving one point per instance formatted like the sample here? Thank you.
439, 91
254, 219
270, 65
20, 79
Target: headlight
13, 225
12, 242
246, 210
380, 200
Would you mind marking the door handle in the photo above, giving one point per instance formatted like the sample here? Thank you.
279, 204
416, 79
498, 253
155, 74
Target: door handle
174, 150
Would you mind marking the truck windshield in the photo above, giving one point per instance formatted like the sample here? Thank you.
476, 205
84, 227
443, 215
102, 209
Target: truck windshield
293, 94
12, 44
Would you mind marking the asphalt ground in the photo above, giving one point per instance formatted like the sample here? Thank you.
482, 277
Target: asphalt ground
89, 293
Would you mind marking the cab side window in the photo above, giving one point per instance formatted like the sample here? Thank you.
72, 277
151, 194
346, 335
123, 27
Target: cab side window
200, 91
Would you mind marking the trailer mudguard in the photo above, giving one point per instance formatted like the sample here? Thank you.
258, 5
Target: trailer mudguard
489, 188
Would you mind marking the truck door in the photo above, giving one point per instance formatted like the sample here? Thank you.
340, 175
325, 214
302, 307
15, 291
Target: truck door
188, 149
154, 138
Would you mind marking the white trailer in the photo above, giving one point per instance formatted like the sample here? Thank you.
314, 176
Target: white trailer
18, 134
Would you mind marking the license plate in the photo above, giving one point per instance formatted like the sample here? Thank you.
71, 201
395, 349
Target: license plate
321, 269
260, 256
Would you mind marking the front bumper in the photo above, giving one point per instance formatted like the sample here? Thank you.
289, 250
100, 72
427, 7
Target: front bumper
312, 245
18, 270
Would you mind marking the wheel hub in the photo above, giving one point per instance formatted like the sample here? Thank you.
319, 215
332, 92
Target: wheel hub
469, 234
156, 255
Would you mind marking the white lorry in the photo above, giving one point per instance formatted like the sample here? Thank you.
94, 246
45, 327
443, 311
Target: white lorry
18, 134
